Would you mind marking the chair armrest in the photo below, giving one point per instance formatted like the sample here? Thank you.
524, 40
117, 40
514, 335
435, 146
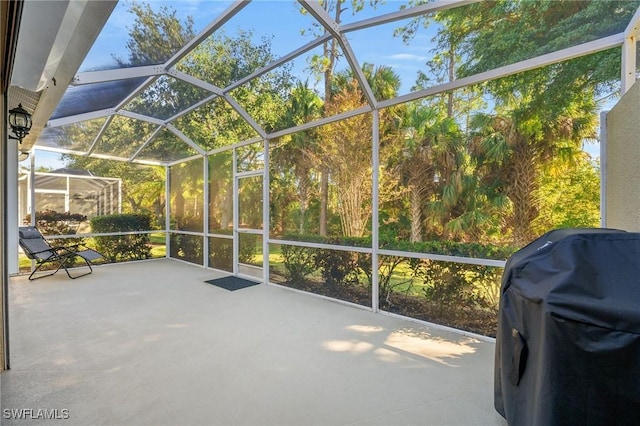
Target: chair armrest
41, 251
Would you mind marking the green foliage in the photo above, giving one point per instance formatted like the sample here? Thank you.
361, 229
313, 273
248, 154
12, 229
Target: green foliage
444, 283
223, 59
187, 188
538, 114
298, 262
221, 254
451, 248
450, 284
338, 268
393, 274
51, 222
248, 248
562, 189
186, 247
122, 247
155, 36
143, 187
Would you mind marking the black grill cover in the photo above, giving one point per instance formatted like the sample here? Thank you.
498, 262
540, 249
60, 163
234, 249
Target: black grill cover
568, 340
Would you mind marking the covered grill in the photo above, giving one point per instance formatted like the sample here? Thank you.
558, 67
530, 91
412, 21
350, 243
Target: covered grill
568, 341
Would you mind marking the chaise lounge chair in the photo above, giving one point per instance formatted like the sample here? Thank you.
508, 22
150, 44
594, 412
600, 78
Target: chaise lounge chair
35, 247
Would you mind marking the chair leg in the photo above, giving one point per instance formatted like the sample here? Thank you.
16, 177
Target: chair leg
77, 276
45, 275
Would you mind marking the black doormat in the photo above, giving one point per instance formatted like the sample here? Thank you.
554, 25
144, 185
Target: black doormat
231, 283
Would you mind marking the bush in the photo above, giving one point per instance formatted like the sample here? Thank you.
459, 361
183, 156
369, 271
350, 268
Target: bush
298, 262
122, 247
186, 247
51, 222
447, 283
247, 249
221, 254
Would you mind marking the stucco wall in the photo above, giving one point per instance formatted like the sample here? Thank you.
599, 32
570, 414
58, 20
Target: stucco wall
622, 168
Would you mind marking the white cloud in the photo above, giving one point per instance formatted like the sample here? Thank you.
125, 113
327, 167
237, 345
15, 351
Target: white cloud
407, 57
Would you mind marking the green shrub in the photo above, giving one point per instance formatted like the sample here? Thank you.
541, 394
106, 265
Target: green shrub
447, 283
337, 267
221, 254
51, 222
186, 247
298, 262
391, 274
122, 247
247, 249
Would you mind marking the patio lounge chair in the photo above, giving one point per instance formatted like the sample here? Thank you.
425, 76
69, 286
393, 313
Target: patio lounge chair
35, 247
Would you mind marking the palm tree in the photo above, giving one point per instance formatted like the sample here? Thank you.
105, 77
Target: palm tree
518, 144
415, 166
297, 153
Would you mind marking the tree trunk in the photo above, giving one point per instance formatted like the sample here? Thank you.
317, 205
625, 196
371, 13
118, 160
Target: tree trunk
179, 204
350, 208
324, 200
521, 191
415, 214
227, 208
331, 53
452, 77
303, 198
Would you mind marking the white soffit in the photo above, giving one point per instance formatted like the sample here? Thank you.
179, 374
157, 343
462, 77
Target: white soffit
54, 39
42, 26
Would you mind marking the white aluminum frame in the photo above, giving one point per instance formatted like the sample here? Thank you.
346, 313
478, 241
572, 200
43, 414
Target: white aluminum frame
627, 40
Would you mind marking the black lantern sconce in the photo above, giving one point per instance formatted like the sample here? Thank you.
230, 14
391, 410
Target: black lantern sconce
20, 122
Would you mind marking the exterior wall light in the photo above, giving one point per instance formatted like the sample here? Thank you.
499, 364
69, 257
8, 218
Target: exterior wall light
20, 122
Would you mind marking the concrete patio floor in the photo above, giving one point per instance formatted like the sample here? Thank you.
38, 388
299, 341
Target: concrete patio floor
149, 343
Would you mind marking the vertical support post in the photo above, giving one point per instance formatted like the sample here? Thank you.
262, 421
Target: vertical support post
603, 169
375, 180
4, 276
12, 214
167, 210
628, 65
119, 196
265, 214
32, 189
236, 236
67, 207
32, 197
205, 212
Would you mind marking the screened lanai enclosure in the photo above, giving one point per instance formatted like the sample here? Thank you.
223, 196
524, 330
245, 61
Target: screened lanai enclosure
388, 154
73, 191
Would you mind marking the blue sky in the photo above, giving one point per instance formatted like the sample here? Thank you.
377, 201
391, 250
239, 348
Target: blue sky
375, 45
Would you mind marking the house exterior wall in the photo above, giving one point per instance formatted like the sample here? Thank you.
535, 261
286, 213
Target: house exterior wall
621, 170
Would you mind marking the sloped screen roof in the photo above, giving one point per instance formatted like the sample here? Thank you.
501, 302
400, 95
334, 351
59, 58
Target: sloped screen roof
169, 80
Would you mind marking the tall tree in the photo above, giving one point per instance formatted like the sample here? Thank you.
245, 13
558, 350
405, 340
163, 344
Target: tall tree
564, 186
540, 112
155, 35
345, 152
325, 66
414, 164
295, 152
346, 146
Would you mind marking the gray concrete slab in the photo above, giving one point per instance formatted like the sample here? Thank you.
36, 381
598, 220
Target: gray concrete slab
149, 343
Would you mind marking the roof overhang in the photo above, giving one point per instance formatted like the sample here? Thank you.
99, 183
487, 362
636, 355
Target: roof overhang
53, 40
